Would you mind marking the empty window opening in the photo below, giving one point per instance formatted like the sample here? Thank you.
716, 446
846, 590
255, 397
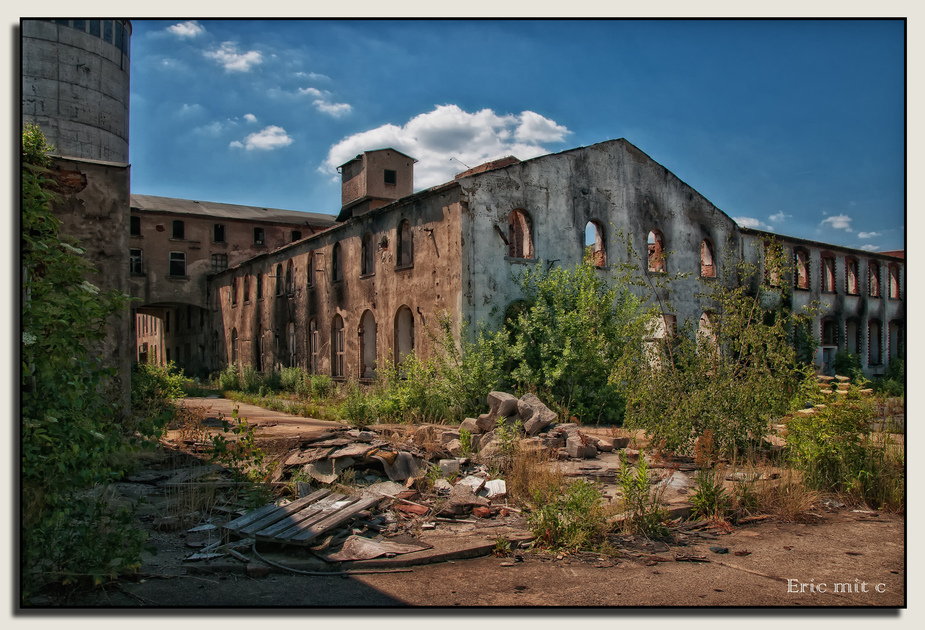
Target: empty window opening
404, 334
291, 344
367, 260
874, 344
259, 286
219, 262
290, 287
367, 335
177, 267
405, 245
337, 263
390, 177
894, 282
247, 288
178, 230
234, 290
296, 235
896, 339
802, 269
520, 235
218, 233
234, 346
660, 330
259, 236
338, 347
258, 349
874, 279
706, 336
595, 249
828, 332
167, 321
773, 262
853, 336
655, 247
828, 272
135, 262
707, 266
134, 226
852, 286
310, 271
313, 346
279, 279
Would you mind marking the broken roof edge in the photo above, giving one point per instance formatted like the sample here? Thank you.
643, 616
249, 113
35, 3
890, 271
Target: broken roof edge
219, 209
895, 255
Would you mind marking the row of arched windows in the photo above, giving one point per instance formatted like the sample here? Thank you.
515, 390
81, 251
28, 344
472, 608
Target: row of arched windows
828, 275
830, 335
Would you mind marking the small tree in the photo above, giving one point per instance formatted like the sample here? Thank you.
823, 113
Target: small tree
730, 378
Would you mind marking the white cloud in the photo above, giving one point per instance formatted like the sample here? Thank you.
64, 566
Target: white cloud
755, 224
870, 248
334, 109
232, 60
212, 129
250, 118
838, 222
187, 109
314, 76
868, 234
310, 91
186, 29
266, 139
433, 138
780, 216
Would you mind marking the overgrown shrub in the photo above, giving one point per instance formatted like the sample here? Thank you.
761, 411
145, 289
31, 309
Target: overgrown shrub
573, 519
72, 423
710, 499
154, 388
642, 505
893, 382
848, 364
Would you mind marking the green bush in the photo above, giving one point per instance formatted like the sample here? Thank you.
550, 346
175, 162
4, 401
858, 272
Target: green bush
642, 505
893, 382
154, 388
847, 364
710, 499
572, 520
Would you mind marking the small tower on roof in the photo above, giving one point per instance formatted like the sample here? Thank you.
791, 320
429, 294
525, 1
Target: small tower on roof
373, 179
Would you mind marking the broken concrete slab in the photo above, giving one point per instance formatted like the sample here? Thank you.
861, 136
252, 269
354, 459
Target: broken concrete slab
360, 548
470, 425
502, 405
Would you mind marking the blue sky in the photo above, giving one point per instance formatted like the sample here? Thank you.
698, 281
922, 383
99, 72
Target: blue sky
792, 126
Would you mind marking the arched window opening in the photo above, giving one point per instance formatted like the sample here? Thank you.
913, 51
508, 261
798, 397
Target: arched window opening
595, 247
520, 235
234, 346
852, 285
368, 258
291, 344
827, 268
404, 334
894, 281
896, 339
874, 345
258, 349
337, 271
706, 336
367, 335
279, 279
259, 286
290, 288
405, 241
874, 278
310, 271
660, 330
853, 336
338, 347
234, 291
707, 267
773, 262
247, 288
313, 346
655, 247
802, 269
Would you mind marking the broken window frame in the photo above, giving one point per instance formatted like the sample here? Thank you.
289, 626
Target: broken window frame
176, 262
338, 347
260, 236
136, 262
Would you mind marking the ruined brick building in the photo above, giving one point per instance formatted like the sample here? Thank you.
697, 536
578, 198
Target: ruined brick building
220, 283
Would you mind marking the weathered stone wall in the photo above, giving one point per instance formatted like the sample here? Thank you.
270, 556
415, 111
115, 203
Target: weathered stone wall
427, 288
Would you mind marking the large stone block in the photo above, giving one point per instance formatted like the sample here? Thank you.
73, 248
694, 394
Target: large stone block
502, 405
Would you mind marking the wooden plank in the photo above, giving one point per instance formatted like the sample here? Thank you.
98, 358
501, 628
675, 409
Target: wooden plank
294, 519
250, 517
281, 512
338, 518
314, 517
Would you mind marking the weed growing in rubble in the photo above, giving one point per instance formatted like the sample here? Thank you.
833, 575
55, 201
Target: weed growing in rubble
573, 519
644, 514
710, 499
240, 453
465, 441
836, 451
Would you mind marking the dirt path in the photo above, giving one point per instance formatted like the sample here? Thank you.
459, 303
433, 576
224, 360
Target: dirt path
845, 551
268, 423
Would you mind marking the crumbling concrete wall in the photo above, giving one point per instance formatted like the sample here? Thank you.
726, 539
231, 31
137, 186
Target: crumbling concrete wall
613, 184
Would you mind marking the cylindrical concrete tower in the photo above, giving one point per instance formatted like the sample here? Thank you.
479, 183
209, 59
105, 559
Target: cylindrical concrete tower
75, 85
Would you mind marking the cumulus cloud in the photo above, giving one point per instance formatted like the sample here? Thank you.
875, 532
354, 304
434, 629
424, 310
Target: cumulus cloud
838, 222
250, 118
868, 234
266, 139
186, 29
433, 138
232, 60
870, 248
749, 222
780, 216
334, 109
